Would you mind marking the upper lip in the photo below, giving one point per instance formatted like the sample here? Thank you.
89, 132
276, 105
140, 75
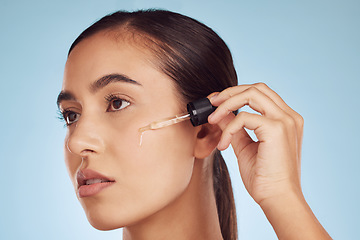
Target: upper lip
85, 174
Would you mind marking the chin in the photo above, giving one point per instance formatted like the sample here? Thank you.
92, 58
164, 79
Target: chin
102, 217
103, 226
103, 221
107, 217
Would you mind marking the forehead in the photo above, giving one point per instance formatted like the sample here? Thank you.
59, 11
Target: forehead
101, 55
101, 52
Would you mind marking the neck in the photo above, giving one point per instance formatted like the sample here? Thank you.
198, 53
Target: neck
193, 215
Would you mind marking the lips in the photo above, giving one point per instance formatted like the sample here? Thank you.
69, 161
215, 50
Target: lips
91, 182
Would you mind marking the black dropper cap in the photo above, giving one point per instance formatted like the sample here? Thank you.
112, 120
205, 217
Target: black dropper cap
199, 111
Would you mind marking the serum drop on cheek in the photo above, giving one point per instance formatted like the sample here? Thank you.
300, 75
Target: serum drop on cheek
197, 111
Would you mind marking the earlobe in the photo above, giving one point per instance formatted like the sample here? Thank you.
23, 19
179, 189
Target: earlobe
206, 141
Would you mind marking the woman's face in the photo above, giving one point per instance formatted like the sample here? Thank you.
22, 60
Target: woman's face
110, 90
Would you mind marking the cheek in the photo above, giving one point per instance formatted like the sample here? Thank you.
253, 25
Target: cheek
155, 173
165, 154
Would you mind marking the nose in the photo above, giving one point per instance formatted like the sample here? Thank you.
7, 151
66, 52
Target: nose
86, 137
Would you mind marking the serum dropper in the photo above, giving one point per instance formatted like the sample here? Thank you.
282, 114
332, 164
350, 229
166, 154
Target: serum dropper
197, 111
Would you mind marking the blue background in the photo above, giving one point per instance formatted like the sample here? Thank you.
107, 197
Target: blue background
307, 51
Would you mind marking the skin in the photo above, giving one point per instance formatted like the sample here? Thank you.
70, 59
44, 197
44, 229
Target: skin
163, 189
167, 181
270, 167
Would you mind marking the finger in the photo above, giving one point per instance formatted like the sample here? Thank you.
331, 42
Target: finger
265, 129
277, 99
217, 99
243, 120
281, 103
242, 137
252, 97
297, 118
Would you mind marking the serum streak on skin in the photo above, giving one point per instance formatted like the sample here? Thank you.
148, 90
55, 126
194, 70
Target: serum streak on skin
141, 138
163, 123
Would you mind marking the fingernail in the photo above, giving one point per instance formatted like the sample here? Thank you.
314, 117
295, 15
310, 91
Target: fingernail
219, 146
210, 117
214, 97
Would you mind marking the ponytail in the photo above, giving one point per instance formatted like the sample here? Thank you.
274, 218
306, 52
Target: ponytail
224, 198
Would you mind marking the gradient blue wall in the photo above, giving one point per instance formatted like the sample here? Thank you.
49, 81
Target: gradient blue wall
307, 51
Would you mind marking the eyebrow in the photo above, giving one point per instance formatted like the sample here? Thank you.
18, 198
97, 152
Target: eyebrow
97, 85
107, 79
64, 95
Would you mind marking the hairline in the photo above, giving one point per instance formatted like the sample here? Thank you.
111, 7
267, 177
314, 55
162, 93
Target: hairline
142, 41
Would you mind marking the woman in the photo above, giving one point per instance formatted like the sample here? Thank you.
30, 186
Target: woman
130, 69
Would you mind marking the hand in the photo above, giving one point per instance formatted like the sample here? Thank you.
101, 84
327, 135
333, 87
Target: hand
270, 167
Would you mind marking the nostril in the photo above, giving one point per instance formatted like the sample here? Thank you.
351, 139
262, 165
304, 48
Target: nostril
85, 139
86, 152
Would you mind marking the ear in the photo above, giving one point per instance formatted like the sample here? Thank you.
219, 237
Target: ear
206, 141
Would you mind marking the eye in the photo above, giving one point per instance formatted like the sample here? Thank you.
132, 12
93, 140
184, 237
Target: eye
70, 117
116, 104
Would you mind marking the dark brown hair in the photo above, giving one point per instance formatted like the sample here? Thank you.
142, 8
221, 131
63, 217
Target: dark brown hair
198, 61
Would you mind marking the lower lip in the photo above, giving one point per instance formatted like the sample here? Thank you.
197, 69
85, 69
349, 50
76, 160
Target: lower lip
92, 189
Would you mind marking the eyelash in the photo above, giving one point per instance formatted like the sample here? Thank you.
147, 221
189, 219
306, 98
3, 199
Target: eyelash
109, 99
60, 116
113, 97
63, 116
